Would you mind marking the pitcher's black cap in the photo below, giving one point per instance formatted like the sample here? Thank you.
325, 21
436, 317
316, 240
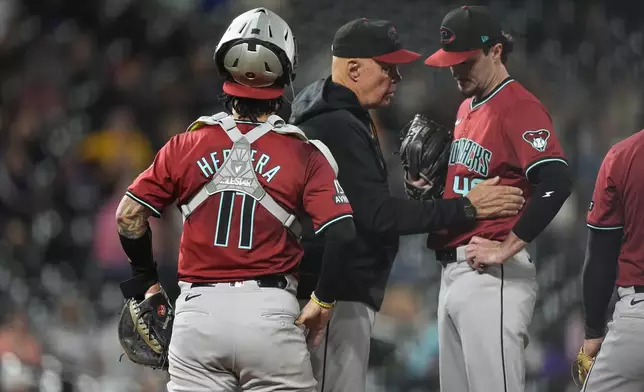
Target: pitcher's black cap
371, 38
463, 32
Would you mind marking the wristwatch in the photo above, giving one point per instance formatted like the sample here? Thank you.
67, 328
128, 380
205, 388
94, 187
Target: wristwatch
470, 210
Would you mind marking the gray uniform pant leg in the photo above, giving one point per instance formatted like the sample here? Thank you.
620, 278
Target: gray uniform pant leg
241, 337
340, 362
483, 325
619, 366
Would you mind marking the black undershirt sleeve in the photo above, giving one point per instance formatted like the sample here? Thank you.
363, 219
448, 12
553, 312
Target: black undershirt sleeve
553, 186
144, 268
139, 251
337, 238
598, 278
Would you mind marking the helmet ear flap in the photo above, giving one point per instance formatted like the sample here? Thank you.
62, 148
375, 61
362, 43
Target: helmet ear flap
296, 60
288, 74
217, 58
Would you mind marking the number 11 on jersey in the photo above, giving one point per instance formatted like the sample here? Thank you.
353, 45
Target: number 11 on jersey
225, 217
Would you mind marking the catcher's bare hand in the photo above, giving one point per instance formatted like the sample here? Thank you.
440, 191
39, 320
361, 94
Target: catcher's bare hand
315, 318
493, 201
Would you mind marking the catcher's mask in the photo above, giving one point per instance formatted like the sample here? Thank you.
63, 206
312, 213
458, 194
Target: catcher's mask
257, 52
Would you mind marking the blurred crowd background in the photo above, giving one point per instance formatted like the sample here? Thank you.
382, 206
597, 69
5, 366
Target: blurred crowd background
91, 89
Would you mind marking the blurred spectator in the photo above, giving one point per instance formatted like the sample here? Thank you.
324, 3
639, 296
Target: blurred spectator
119, 149
71, 336
16, 338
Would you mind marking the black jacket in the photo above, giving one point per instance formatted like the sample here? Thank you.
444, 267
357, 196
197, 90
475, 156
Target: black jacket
332, 113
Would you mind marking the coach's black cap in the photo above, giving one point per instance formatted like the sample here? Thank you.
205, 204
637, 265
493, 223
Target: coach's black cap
370, 38
464, 31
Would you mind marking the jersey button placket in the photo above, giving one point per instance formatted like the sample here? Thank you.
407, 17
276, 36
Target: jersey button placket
466, 126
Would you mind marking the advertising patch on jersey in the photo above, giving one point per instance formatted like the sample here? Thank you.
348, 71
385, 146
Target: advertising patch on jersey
538, 139
339, 197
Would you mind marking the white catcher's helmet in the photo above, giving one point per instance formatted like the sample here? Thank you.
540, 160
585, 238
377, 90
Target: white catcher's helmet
257, 50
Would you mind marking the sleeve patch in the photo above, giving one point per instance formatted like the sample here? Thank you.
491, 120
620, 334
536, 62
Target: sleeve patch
339, 197
537, 139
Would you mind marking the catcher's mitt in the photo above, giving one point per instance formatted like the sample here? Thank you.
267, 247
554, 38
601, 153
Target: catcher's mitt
581, 366
145, 328
425, 153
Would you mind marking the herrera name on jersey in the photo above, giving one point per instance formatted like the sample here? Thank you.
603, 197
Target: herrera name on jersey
210, 164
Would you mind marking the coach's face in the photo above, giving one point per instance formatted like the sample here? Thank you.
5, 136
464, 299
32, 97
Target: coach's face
375, 82
474, 74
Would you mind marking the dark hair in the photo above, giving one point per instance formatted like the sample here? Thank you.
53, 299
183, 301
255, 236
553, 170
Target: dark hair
508, 45
251, 108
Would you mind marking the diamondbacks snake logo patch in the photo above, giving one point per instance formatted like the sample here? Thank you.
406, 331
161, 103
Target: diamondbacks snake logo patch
537, 139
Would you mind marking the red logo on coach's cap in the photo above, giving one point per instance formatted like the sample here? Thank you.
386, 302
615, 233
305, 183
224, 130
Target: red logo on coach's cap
447, 35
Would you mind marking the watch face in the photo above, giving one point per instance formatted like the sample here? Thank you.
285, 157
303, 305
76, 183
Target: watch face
470, 211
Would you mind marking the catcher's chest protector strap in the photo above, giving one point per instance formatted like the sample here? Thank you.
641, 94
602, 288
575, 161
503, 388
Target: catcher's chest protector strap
327, 154
279, 126
237, 174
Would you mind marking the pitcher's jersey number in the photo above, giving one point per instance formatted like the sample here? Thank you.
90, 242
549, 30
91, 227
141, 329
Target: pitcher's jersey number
463, 185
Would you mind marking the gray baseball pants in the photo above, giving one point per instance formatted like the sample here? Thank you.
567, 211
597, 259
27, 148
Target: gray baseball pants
238, 337
619, 366
340, 362
483, 321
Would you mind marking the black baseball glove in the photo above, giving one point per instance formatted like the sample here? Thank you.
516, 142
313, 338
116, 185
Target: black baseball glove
425, 153
145, 327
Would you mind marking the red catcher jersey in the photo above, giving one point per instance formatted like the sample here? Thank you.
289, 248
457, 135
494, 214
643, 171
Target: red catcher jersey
618, 202
230, 236
508, 134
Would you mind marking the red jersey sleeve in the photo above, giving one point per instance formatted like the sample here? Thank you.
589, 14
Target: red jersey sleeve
324, 199
528, 128
155, 187
605, 211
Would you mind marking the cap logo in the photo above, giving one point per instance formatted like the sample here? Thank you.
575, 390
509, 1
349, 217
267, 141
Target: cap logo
447, 35
484, 38
393, 34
